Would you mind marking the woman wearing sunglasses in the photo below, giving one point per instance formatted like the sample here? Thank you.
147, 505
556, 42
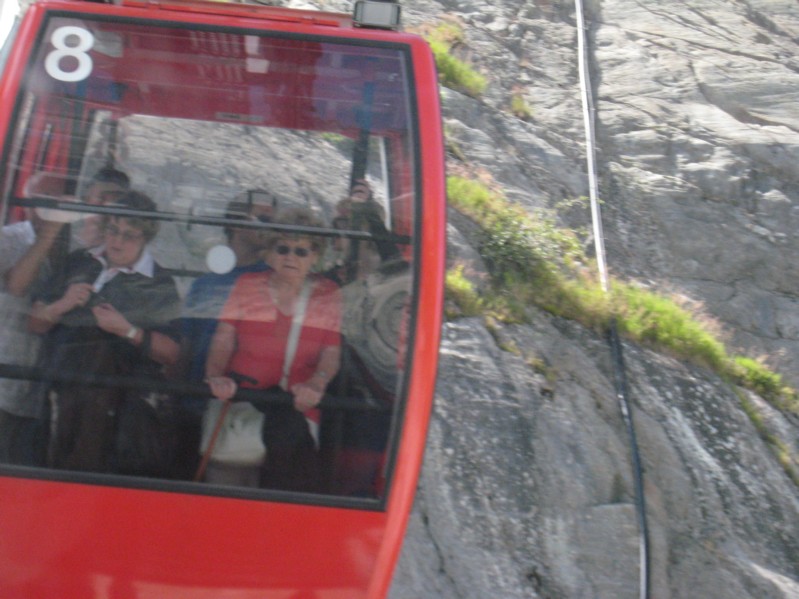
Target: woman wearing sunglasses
280, 328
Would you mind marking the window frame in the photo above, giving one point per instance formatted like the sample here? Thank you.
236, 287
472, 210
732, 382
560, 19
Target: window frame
413, 164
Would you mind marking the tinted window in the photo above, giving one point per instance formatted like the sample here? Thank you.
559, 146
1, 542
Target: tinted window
236, 137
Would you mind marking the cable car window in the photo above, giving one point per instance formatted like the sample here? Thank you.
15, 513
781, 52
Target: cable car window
9, 22
208, 259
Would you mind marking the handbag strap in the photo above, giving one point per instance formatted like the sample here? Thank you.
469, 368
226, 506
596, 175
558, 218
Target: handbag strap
294, 333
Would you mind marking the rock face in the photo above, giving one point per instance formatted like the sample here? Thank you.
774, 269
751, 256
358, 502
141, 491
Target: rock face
697, 133
699, 118
697, 143
527, 488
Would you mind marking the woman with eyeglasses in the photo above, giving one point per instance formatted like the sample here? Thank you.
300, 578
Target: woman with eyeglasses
109, 312
253, 345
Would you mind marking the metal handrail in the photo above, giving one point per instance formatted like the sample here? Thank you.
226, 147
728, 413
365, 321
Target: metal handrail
178, 388
193, 219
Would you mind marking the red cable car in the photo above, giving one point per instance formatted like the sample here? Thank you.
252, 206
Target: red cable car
226, 119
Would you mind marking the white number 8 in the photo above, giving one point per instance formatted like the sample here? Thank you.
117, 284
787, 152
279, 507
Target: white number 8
52, 63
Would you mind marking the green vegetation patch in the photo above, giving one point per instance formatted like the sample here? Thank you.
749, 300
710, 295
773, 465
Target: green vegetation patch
534, 261
462, 298
520, 108
756, 376
453, 72
660, 322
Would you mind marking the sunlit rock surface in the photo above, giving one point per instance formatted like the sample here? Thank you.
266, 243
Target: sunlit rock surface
527, 488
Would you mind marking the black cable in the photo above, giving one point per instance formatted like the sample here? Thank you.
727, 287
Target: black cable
622, 394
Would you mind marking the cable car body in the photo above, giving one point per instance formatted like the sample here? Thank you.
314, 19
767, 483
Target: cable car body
197, 102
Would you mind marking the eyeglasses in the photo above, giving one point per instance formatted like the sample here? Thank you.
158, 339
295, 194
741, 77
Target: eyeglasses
284, 250
108, 197
127, 236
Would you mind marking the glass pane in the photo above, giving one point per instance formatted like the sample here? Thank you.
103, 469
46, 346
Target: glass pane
168, 194
9, 15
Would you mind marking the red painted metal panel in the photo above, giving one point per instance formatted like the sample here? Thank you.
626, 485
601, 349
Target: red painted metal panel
70, 540
67, 539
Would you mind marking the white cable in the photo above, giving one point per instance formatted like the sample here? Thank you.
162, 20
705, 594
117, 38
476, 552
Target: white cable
590, 148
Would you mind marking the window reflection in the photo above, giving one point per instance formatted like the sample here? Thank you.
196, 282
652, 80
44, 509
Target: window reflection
231, 136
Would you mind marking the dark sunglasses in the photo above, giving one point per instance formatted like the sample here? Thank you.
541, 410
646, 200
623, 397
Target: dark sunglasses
284, 250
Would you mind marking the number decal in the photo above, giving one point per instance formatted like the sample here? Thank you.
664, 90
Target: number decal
52, 63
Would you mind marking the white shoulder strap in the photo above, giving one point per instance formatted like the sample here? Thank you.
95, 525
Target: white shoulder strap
294, 333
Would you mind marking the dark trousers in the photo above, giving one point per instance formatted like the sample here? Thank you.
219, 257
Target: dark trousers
292, 462
85, 429
23, 440
86, 416
188, 425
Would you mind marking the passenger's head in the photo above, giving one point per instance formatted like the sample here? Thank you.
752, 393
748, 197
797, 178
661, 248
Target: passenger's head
107, 185
135, 200
361, 191
254, 204
298, 217
293, 254
126, 236
359, 203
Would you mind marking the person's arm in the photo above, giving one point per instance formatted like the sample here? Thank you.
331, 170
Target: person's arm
308, 394
19, 278
162, 348
223, 344
327, 368
387, 249
41, 318
221, 350
44, 316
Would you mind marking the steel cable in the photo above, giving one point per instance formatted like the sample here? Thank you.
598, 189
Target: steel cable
619, 369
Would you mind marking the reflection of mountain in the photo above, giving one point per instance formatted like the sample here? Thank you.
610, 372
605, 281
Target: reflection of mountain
196, 168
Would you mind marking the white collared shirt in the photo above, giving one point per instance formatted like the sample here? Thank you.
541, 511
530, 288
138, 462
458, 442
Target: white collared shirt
145, 265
